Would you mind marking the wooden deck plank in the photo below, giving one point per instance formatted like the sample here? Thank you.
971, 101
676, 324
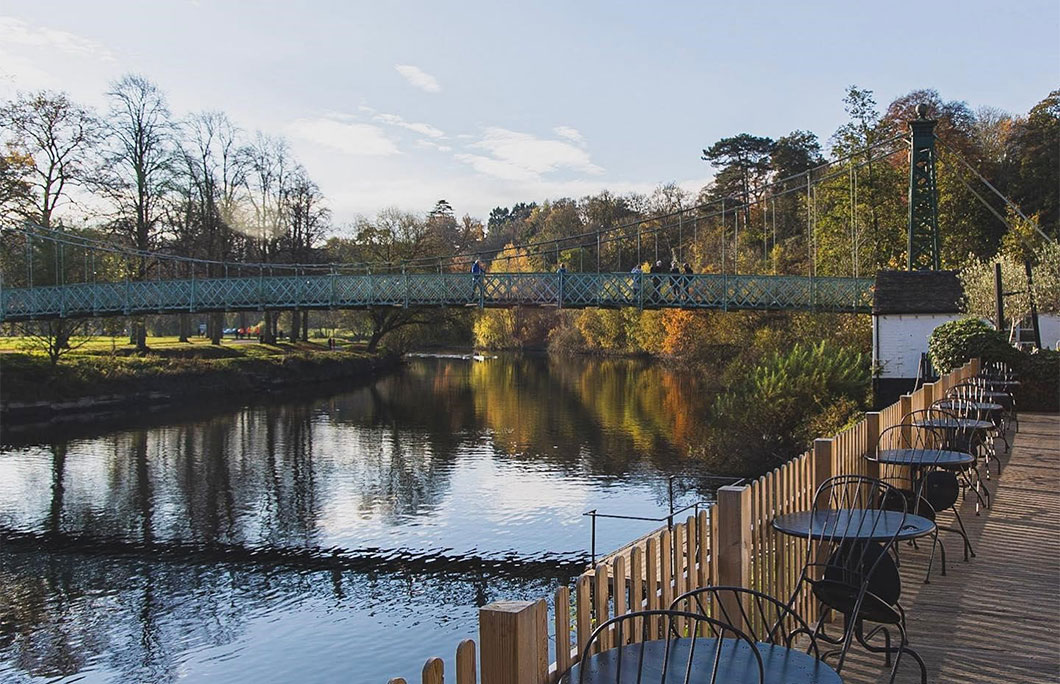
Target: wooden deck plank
995, 618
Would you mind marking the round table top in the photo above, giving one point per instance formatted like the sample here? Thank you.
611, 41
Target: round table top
975, 405
858, 524
955, 423
737, 664
924, 457
996, 394
999, 382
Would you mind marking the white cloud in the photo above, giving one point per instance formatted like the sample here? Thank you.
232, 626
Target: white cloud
17, 32
421, 128
351, 138
572, 134
431, 145
418, 78
521, 156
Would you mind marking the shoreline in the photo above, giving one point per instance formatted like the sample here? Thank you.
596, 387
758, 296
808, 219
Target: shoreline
101, 388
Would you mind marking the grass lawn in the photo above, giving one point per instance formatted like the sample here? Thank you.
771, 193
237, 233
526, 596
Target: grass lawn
171, 347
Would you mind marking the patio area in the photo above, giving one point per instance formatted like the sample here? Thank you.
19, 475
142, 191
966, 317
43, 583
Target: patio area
995, 618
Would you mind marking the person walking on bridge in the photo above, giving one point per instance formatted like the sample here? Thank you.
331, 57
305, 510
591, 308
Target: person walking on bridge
476, 279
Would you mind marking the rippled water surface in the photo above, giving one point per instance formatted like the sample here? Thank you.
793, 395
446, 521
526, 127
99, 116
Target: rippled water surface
344, 538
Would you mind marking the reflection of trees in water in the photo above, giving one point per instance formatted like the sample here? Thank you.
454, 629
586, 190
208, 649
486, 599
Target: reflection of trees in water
603, 415
250, 480
136, 620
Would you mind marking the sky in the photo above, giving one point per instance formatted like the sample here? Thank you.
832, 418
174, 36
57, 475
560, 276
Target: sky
490, 103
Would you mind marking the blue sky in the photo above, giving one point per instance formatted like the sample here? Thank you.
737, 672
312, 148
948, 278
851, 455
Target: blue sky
492, 103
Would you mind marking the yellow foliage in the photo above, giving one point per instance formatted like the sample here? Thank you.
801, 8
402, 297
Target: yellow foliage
685, 332
602, 329
650, 333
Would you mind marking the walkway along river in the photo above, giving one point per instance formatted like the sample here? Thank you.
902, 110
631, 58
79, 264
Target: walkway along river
334, 538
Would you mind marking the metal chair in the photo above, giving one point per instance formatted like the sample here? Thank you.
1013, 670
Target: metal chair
764, 618
653, 646
956, 438
852, 571
970, 409
929, 487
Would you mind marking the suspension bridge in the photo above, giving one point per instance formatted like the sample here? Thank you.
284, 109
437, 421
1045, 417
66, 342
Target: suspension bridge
59, 275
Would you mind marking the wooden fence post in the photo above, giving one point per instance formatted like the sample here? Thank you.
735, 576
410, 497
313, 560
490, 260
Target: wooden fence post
872, 436
975, 366
823, 468
433, 671
732, 545
513, 638
465, 660
732, 555
905, 406
929, 394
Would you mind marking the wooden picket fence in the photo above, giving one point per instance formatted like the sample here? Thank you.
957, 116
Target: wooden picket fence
732, 544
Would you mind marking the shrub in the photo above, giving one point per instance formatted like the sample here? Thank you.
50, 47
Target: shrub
776, 408
952, 344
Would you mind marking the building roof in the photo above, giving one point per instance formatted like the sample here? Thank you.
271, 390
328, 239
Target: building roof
917, 292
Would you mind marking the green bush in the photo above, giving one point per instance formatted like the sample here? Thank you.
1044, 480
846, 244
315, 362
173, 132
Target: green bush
775, 409
954, 343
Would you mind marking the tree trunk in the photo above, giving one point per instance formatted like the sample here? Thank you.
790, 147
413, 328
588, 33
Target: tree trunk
268, 332
184, 321
215, 325
296, 324
373, 341
140, 333
305, 326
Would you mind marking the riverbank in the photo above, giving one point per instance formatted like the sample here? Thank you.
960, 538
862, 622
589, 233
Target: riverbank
95, 384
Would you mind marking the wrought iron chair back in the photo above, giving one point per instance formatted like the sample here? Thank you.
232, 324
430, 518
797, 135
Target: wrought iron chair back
764, 618
696, 648
852, 570
970, 391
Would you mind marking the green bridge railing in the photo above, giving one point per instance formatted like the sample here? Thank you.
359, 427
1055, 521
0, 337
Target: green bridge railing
335, 291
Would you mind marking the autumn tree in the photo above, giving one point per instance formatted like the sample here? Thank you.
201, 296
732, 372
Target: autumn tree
53, 141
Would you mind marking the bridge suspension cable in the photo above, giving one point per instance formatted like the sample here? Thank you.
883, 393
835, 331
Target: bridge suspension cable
664, 223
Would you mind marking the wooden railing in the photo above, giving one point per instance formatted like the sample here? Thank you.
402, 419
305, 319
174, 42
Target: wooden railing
733, 543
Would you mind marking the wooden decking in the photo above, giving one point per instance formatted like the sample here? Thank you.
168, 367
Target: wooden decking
995, 618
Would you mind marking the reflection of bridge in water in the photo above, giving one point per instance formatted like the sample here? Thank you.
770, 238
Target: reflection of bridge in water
374, 560
494, 290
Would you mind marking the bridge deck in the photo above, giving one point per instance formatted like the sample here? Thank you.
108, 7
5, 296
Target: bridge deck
995, 618
337, 291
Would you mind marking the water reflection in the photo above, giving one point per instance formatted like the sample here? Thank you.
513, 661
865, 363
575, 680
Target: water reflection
247, 543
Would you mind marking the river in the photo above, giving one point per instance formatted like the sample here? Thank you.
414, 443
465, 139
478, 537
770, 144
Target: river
345, 537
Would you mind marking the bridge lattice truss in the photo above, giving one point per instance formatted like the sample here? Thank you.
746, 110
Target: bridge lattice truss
341, 291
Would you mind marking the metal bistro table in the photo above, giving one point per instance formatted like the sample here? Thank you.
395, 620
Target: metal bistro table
981, 406
737, 664
952, 425
854, 524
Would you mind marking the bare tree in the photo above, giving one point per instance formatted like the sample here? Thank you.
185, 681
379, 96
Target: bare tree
307, 221
267, 184
215, 168
138, 169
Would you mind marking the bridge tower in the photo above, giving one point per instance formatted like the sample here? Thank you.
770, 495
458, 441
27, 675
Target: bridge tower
923, 195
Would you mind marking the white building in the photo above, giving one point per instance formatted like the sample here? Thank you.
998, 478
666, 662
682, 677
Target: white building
907, 307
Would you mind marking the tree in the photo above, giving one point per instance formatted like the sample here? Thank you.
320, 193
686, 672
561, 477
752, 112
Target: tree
878, 183
394, 238
744, 162
1034, 150
307, 220
53, 141
15, 189
214, 173
138, 169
